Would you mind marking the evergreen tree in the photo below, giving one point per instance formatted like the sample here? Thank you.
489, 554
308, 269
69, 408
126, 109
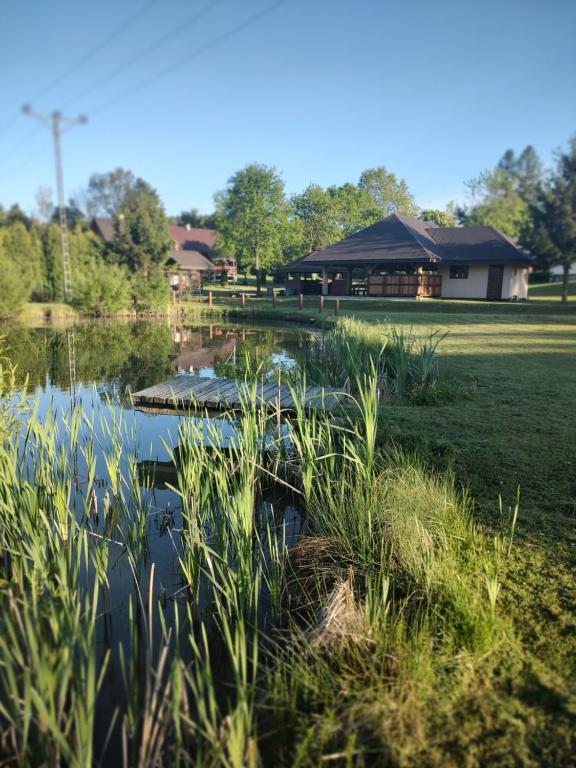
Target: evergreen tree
554, 215
503, 197
142, 241
15, 291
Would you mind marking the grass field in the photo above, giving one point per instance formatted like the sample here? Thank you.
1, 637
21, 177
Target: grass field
547, 291
514, 429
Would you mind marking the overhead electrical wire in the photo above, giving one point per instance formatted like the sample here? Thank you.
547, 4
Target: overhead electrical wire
84, 59
157, 44
214, 43
130, 21
40, 151
189, 57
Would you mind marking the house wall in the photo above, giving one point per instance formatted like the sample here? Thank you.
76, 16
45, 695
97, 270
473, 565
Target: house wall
515, 283
472, 287
475, 286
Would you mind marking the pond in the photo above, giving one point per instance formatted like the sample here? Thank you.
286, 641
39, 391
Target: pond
95, 366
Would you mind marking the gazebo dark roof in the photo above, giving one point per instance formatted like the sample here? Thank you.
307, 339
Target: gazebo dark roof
478, 244
400, 238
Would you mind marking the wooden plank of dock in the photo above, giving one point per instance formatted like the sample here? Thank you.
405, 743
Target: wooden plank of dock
189, 391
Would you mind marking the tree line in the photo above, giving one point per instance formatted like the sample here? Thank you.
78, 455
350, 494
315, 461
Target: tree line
262, 226
107, 278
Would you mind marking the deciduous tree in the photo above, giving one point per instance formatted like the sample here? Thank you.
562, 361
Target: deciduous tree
106, 193
194, 218
317, 210
252, 217
437, 217
14, 290
390, 194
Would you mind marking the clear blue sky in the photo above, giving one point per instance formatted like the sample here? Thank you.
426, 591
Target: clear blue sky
321, 89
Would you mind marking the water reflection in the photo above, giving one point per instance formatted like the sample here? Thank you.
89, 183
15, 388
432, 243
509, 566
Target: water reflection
138, 354
94, 365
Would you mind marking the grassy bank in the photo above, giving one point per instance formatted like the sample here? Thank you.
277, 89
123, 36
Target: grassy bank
420, 620
37, 313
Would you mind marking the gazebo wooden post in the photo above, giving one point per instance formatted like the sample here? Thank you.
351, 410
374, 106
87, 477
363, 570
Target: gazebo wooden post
324, 281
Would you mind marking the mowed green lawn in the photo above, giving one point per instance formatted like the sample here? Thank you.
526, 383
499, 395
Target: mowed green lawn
513, 427
516, 428
547, 291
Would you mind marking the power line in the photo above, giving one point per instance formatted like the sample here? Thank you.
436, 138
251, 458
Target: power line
191, 56
55, 121
99, 46
254, 18
96, 49
18, 146
166, 38
11, 174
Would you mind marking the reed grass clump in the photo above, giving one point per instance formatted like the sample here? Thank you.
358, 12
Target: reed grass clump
407, 366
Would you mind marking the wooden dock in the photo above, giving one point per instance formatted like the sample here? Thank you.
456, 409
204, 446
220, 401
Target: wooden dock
191, 392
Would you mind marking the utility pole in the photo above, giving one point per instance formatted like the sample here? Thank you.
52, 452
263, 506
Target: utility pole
55, 121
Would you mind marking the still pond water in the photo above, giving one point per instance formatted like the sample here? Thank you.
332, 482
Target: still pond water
96, 365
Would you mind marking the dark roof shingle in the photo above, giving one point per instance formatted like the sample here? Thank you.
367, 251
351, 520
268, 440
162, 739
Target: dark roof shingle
192, 260
477, 244
399, 238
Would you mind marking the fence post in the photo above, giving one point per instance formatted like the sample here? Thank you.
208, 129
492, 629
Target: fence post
301, 301
209, 298
321, 303
273, 299
337, 307
243, 299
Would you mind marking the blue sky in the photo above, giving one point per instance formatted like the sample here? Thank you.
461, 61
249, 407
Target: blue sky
435, 91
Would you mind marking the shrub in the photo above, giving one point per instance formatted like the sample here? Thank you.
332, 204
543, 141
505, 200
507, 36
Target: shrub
14, 288
104, 290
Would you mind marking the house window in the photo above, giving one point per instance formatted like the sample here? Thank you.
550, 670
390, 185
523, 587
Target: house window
459, 272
